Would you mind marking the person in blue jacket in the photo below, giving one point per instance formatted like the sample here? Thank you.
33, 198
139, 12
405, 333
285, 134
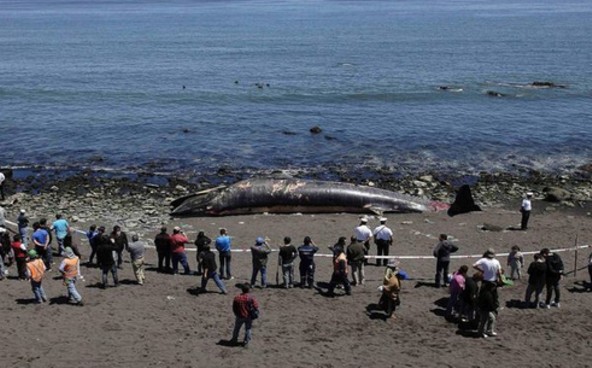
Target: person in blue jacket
307, 266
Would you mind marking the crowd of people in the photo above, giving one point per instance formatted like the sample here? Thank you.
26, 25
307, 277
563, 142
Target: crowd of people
473, 298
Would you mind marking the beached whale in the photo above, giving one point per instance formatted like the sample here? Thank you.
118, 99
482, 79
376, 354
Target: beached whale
298, 195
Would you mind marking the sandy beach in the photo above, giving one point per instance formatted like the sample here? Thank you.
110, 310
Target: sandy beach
165, 324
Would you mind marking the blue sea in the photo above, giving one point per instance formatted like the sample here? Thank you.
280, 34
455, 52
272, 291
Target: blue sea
188, 87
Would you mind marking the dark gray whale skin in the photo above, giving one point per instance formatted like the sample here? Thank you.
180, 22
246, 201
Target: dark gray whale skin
298, 196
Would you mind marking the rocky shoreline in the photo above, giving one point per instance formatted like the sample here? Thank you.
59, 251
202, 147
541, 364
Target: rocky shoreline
142, 203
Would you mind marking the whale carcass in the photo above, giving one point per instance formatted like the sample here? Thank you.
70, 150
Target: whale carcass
298, 195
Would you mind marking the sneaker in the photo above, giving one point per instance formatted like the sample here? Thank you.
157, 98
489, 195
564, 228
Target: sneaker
484, 335
492, 333
230, 278
547, 306
556, 305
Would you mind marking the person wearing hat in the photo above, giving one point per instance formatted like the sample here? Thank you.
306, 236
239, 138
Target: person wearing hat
223, 246
136, 249
210, 269
259, 253
178, 241
525, 209
363, 234
442, 253
488, 300
383, 238
163, 244
23, 226
35, 273
391, 287
70, 270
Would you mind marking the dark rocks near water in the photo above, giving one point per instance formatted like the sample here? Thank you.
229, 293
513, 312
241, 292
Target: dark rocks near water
463, 203
316, 129
495, 94
554, 194
546, 84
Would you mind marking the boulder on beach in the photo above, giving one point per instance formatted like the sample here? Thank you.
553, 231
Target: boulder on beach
555, 194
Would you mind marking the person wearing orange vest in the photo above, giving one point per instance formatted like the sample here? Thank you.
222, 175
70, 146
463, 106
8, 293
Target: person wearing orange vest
35, 273
339, 272
70, 270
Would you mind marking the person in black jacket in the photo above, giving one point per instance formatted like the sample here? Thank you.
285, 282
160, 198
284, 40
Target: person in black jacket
536, 280
121, 243
200, 242
105, 249
442, 253
162, 241
553, 276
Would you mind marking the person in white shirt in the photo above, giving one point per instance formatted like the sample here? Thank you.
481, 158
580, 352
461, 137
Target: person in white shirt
488, 300
525, 209
2, 179
364, 234
383, 238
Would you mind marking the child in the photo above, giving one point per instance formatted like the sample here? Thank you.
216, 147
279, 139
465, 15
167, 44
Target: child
536, 280
35, 272
457, 285
70, 269
516, 262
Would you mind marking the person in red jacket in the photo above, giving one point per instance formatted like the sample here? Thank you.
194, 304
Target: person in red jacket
178, 241
245, 309
20, 255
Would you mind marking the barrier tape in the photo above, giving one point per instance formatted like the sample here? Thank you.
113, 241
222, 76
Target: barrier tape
380, 257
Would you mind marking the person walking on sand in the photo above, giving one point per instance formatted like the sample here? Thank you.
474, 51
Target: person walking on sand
91, 235
162, 241
210, 270
363, 234
552, 277
223, 246
259, 253
200, 242
307, 265
442, 253
105, 257
383, 238
40, 239
525, 209
355, 257
61, 227
70, 270
121, 243
391, 287
20, 256
136, 249
339, 276
286, 257
178, 241
35, 273
537, 271
245, 308
515, 262
488, 300
23, 226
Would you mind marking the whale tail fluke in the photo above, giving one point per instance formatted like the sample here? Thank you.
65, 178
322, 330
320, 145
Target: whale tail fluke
463, 202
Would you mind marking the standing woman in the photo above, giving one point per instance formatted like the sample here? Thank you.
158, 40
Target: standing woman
201, 241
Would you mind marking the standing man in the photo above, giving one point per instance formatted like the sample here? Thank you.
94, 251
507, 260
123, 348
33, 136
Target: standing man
525, 209
61, 228
364, 234
162, 241
41, 240
223, 245
35, 272
383, 238
121, 243
355, 257
106, 261
178, 241
243, 307
136, 250
553, 276
70, 270
307, 266
210, 269
23, 226
286, 257
488, 300
442, 253
260, 251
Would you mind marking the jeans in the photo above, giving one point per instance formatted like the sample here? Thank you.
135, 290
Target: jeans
382, 249
105, 271
182, 258
256, 270
93, 252
442, 272
536, 289
2, 268
288, 274
224, 258
138, 267
38, 291
213, 275
358, 275
46, 255
524, 221
516, 271
553, 286
238, 323
61, 248
119, 258
590, 274
21, 266
307, 272
73, 294
24, 232
388, 304
452, 302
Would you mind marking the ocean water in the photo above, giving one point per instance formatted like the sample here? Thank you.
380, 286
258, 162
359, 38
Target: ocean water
186, 87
